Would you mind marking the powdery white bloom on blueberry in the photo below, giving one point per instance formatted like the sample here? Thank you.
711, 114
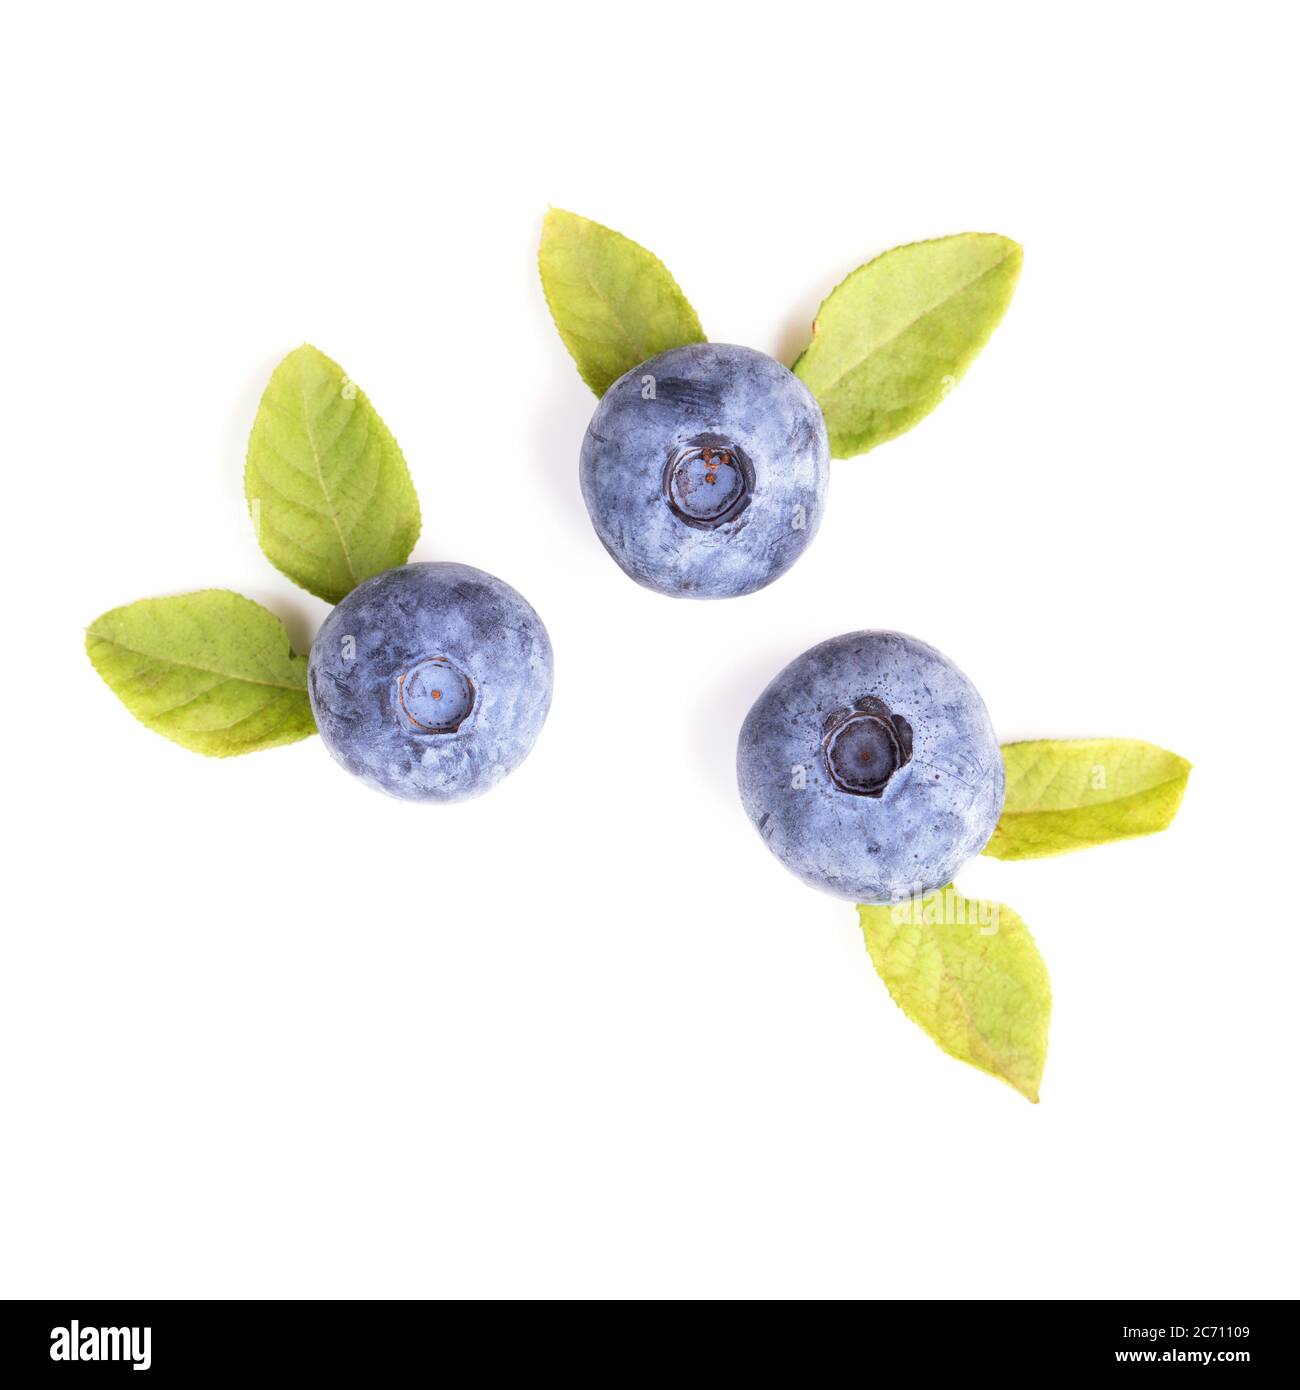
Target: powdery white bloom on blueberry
705, 470
902, 778
447, 688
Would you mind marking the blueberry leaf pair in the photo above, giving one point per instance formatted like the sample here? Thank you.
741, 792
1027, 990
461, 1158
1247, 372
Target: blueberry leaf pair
967, 971
888, 343
333, 504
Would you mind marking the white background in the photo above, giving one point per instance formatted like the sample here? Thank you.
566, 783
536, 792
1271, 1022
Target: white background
264, 1032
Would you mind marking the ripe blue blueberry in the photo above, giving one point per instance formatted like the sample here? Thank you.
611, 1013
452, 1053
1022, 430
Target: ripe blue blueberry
705, 470
431, 681
870, 767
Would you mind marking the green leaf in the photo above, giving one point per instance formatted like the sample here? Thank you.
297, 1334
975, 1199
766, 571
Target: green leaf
1068, 794
213, 671
968, 972
891, 340
614, 303
327, 486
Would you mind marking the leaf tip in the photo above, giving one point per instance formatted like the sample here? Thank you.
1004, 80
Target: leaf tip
308, 351
556, 217
1028, 1089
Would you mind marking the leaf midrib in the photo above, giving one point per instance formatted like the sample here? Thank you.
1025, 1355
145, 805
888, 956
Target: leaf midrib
320, 475
588, 274
879, 347
1097, 805
194, 666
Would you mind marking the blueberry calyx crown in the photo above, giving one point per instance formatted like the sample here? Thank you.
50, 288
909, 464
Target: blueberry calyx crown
435, 696
864, 745
708, 481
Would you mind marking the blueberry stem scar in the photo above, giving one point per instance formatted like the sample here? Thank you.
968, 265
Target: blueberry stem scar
414, 698
866, 733
682, 477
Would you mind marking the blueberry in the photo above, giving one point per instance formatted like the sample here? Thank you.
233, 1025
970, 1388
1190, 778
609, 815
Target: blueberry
705, 470
431, 681
870, 767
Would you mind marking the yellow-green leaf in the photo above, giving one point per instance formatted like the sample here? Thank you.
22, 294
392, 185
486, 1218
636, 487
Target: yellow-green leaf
614, 303
1067, 794
891, 340
327, 486
968, 972
213, 671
